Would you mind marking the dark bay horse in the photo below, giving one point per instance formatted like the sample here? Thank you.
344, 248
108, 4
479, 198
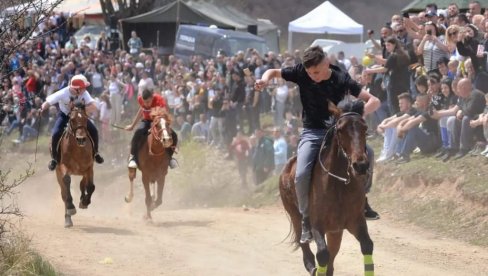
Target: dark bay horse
76, 158
337, 194
153, 160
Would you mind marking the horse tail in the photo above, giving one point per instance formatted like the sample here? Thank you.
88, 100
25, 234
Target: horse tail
289, 200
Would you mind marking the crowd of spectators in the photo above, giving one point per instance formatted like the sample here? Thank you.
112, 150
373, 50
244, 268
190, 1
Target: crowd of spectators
428, 69
430, 72
212, 100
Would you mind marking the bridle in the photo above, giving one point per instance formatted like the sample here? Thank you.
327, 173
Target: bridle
346, 180
72, 130
161, 135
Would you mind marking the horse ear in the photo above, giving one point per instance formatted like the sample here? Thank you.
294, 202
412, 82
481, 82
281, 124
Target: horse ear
334, 110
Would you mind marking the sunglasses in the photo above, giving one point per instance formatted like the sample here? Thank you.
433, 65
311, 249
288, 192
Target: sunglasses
453, 33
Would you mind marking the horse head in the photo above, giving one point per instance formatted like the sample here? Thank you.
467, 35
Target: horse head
161, 126
78, 121
351, 133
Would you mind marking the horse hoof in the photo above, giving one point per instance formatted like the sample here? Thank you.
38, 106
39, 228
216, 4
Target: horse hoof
83, 206
128, 198
71, 212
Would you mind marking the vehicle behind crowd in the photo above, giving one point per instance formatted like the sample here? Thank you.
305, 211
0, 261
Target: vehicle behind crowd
209, 41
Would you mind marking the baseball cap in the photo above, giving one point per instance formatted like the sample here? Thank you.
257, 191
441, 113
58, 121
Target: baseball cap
78, 82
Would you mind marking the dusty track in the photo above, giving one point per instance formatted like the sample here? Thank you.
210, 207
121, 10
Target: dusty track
110, 238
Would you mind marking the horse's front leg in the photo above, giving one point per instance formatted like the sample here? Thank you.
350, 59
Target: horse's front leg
160, 187
334, 240
362, 235
322, 253
87, 185
130, 195
64, 181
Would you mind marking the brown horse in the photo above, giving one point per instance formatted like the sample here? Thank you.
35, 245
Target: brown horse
76, 158
153, 160
337, 194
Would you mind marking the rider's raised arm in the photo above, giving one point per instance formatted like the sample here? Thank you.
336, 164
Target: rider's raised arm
267, 76
371, 102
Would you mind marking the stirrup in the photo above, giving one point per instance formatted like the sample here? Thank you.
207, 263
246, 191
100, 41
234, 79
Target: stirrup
306, 236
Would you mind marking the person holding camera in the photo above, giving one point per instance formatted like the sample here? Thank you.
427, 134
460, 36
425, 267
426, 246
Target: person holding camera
432, 48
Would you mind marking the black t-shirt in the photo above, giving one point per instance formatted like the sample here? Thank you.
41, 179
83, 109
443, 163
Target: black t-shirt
430, 125
314, 96
412, 112
399, 77
438, 101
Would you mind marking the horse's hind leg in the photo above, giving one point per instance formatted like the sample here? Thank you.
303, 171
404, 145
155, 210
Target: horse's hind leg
64, 181
334, 240
322, 253
132, 174
362, 235
148, 199
308, 257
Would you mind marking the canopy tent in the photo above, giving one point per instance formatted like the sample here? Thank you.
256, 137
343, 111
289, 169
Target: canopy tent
159, 26
419, 5
239, 20
325, 18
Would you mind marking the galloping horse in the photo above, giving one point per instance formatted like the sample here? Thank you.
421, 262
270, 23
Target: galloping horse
153, 160
76, 158
337, 195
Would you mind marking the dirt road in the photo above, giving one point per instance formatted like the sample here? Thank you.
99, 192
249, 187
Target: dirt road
110, 238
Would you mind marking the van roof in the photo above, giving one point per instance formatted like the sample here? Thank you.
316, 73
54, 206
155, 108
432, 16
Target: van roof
223, 32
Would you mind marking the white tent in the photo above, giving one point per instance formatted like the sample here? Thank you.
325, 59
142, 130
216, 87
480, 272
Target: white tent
325, 18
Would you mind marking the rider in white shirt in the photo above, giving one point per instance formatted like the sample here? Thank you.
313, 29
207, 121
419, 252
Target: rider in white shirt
75, 90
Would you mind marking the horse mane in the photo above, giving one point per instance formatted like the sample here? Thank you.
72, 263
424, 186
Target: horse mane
79, 104
356, 106
160, 112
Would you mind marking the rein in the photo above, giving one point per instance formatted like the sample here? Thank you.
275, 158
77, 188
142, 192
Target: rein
346, 180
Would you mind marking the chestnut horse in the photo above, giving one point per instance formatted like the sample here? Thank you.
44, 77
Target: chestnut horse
153, 160
76, 158
337, 194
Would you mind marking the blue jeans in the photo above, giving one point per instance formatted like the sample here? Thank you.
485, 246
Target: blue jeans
417, 137
461, 133
307, 153
58, 129
28, 132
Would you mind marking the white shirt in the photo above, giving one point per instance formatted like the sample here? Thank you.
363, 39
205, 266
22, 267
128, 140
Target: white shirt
62, 97
97, 80
104, 112
282, 93
145, 84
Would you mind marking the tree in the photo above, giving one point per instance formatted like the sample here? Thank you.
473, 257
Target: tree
126, 8
18, 22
